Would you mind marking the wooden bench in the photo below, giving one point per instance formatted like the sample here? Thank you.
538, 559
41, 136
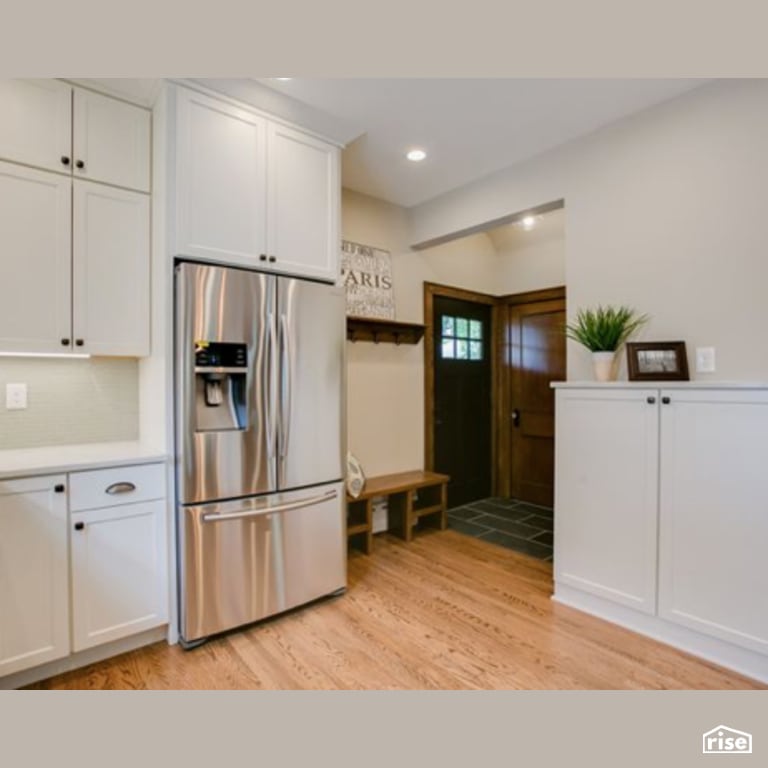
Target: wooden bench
412, 496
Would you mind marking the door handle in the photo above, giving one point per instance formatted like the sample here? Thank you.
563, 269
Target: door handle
271, 420
285, 386
515, 418
250, 512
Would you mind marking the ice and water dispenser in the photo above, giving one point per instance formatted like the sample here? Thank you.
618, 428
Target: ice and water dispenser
221, 386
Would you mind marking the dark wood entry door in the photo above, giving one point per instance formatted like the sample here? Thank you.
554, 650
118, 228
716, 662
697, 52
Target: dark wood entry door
536, 345
462, 397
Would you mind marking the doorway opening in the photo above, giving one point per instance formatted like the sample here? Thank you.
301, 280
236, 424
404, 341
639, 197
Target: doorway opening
489, 421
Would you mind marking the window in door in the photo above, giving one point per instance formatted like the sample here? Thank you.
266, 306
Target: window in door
461, 338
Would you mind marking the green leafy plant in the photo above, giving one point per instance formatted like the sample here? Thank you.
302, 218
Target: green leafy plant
604, 329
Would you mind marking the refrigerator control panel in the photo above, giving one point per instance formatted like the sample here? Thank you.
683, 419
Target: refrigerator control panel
216, 354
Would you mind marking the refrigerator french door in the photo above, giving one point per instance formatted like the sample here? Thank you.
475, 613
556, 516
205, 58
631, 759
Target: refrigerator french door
259, 388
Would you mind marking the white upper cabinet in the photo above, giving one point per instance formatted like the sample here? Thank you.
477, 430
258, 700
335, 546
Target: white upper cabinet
110, 271
303, 203
75, 269
253, 192
606, 490
36, 124
34, 589
220, 181
713, 514
110, 141
35, 267
51, 125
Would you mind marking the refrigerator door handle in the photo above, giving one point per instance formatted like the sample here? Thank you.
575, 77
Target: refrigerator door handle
270, 415
286, 386
250, 512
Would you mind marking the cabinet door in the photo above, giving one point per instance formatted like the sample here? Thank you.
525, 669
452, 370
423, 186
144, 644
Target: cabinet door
34, 599
36, 124
606, 456
220, 181
119, 579
111, 270
303, 205
111, 141
713, 536
35, 271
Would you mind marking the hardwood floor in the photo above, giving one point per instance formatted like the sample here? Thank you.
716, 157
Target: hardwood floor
446, 611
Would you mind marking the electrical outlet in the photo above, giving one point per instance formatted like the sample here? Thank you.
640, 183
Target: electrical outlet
705, 359
15, 397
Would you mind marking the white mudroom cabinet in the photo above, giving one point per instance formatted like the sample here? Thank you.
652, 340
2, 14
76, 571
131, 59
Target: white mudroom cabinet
661, 513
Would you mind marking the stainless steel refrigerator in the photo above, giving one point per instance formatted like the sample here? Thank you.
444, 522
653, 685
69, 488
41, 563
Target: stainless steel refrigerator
259, 403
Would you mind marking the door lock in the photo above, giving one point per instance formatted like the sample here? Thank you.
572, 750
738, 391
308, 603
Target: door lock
516, 418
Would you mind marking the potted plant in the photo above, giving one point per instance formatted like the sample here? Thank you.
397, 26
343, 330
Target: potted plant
603, 331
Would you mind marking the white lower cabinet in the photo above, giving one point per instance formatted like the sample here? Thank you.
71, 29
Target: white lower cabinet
118, 572
661, 505
606, 494
108, 563
713, 514
34, 596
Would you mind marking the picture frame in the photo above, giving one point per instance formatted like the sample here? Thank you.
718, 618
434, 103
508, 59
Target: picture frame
657, 361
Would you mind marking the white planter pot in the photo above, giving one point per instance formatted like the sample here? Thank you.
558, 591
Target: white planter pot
603, 365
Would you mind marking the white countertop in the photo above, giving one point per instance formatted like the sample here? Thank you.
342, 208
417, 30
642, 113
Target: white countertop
24, 462
659, 385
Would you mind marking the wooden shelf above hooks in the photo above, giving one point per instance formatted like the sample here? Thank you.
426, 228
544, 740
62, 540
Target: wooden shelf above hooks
377, 330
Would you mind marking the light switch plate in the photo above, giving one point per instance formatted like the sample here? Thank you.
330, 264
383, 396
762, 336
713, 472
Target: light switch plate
705, 359
15, 397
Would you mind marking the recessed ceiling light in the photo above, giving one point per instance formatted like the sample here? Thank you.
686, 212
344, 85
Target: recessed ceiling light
416, 155
528, 222
282, 78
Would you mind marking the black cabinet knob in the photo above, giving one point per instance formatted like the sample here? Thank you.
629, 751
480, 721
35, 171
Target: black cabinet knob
79, 526
79, 164
79, 342
651, 400
64, 160
665, 400
59, 488
65, 342
262, 257
273, 258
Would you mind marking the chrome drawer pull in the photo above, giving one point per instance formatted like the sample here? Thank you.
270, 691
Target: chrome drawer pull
120, 488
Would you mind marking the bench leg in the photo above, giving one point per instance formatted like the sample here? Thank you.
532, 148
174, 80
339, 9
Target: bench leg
400, 514
368, 546
444, 501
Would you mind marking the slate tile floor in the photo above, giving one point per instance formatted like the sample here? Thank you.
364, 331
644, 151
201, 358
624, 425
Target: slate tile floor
513, 524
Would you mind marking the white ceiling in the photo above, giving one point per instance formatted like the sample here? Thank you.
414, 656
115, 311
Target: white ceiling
469, 127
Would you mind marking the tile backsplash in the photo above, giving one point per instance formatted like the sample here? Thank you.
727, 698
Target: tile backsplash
91, 400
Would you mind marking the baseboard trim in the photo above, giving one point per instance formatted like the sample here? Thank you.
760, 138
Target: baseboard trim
720, 652
83, 658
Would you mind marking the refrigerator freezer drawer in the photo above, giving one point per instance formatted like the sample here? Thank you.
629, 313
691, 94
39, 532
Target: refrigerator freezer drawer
244, 560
